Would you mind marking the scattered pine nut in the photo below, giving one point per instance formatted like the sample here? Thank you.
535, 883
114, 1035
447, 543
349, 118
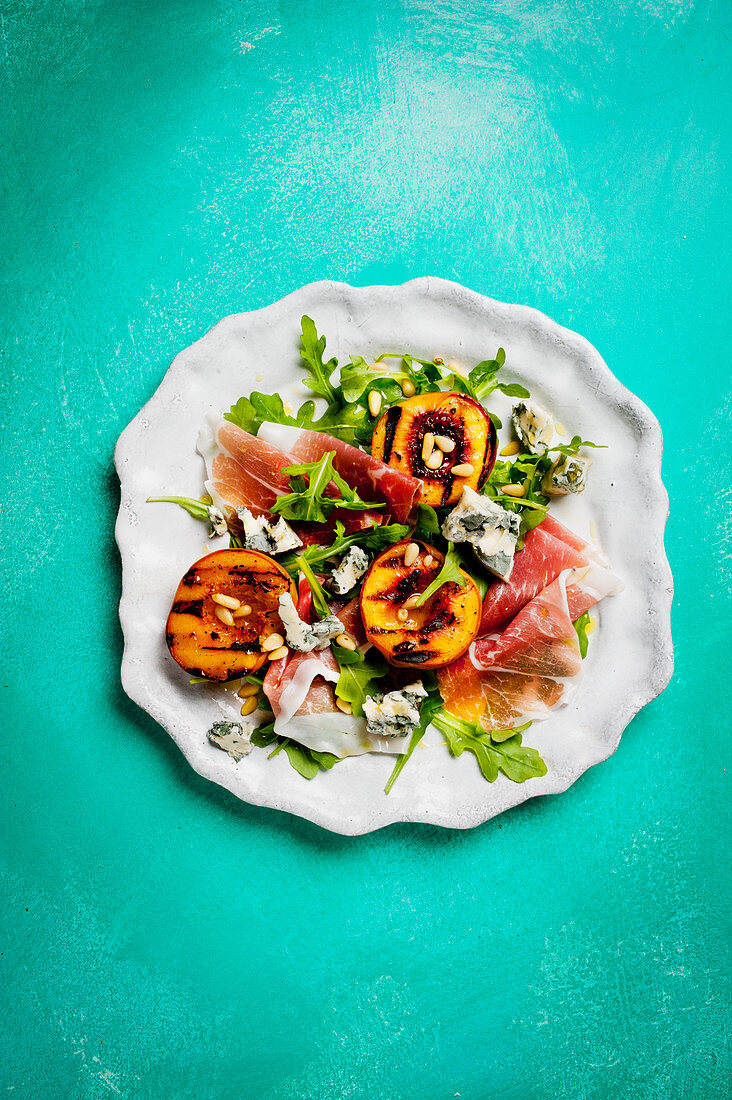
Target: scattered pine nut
445, 444
591, 625
408, 388
242, 611
273, 641
438, 360
511, 448
412, 601
248, 689
260, 377
402, 614
249, 705
428, 561
374, 402
435, 460
514, 490
560, 429
411, 554
463, 469
226, 601
224, 615
279, 653
345, 642
344, 705
428, 445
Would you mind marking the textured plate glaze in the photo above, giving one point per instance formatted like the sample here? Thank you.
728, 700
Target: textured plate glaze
630, 659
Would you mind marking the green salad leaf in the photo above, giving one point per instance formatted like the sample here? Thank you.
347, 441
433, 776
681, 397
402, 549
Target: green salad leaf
308, 500
449, 574
358, 677
499, 751
320, 372
196, 508
574, 445
374, 539
581, 627
308, 762
428, 524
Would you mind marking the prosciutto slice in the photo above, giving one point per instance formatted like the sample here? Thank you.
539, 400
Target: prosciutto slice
543, 558
531, 667
245, 471
373, 479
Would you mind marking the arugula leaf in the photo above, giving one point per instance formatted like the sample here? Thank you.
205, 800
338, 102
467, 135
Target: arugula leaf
482, 381
499, 751
308, 762
308, 500
374, 539
467, 560
320, 603
575, 443
358, 673
346, 423
449, 574
428, 524
359, 376
312, 348
196, 508
428, 708
581, 627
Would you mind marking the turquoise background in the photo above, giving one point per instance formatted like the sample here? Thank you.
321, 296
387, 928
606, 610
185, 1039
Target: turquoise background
165, 164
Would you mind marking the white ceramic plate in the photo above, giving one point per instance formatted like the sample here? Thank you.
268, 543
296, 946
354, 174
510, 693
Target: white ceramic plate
630, 658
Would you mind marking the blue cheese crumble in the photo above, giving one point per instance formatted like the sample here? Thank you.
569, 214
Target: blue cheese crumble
231, 737
394, 714
265, 536
567, 475
352, 567
491, 530
304, 636
216, 521
534, 426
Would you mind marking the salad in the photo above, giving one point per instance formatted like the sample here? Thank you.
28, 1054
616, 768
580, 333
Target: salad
389, 567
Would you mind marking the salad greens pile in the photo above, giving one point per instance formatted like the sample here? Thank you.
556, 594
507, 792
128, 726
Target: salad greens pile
316, 489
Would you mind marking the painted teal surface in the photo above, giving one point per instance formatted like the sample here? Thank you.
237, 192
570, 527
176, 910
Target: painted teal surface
166, 164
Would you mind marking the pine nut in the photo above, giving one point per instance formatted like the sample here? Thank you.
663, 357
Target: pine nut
463, 469
435, 460
411, 554
248, 689
412, 601
249, 705
344, 705
402, 614
242, 611
374, 402
514, 490
560, 429
445, 444
224, 615
345, 642
226, 601
438, 360
274, 641
279, 653
511, 448
591, 625
408, 388
429, 561
428, 445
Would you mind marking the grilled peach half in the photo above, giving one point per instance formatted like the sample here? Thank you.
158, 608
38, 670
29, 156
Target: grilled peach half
445, 439
417, 637
208, 638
